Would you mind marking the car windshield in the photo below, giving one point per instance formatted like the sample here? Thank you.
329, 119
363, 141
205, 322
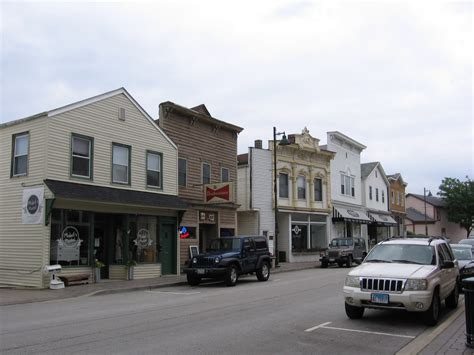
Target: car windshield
228, 244
402, 253
346, 242
462, 253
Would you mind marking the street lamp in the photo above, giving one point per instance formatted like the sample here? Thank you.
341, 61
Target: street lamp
283, 142
424, 197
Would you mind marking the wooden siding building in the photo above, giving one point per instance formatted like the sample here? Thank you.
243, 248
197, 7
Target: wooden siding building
397, 203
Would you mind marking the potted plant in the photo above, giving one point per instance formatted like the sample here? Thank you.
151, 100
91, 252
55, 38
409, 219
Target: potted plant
129, 266
97, 266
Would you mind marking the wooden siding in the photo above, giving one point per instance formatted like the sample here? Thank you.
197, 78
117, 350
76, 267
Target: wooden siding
117, 272
227, 218
146, 271
248, 223
24, 249
100, 121
184, 250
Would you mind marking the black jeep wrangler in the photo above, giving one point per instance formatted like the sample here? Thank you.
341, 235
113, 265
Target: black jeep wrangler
229, 257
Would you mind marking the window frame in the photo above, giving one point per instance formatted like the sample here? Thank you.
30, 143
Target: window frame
160, 172
298, 179
222, 175
320, 185
185, 172
13, 156
370, 193
349, 188
377, 194
287, 185
129, 175
91, 156
202, 173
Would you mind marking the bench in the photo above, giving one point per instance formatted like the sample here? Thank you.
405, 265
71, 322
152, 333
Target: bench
75, 279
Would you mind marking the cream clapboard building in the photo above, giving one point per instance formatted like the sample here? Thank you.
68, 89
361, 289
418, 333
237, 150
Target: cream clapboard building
94, 180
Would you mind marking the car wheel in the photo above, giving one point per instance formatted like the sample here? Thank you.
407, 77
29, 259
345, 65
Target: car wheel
354, 312
431, 316
264, 272
193, 280
340, 264
349, 261
324, 264
453, 298
231, 276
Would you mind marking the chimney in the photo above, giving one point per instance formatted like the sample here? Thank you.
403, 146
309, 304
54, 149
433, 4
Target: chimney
258, 144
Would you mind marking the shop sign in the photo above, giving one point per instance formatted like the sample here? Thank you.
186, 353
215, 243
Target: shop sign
183, 233
218, 193
33, 205
70, 238
207, 217
143, 239
296, 230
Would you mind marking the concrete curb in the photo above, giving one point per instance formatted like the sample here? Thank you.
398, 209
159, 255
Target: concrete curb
423, 340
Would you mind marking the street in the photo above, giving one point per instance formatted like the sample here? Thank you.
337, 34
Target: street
295, 312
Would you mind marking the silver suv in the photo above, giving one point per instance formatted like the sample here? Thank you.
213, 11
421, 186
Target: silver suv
412, 274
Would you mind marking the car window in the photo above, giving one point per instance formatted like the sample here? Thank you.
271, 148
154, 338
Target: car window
260, 243
447, 253
402, 253
441, 256
462, 254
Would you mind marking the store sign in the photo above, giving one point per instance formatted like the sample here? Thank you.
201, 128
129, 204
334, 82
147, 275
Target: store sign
296, 230
143, 239
70, 238
218, 193
207, 217
184, 233
33, 205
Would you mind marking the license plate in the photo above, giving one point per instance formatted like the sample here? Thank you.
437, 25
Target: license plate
200, 271
379, 298
332, 259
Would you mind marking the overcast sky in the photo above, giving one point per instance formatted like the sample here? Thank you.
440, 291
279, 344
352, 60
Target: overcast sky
395, 76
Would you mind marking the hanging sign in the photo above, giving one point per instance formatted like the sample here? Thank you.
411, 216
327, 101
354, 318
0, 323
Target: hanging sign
32, 205
218, 193
183, 233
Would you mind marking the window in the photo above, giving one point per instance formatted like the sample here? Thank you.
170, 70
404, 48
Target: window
224, 175
347, 185
206, 173
383, 196
398, 198
20, 154
182, 171
393, 198
402, 199
153, 169
370, 192
377, 194
283, 185
81, 151
376, 174
318, 190
120, 164
301, 183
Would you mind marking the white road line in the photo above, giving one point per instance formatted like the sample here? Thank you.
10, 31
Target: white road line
175, 293
316, 327
368, 332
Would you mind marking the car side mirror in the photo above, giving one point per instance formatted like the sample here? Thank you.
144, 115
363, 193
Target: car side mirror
447, 265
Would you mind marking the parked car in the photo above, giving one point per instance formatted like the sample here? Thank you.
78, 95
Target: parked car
463, 254
421, 273
344, 251
228, 258
469, 241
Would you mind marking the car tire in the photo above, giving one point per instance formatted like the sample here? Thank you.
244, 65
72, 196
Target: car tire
324, 264
349, 261
340, 264
193, 280
354, 312
232, 276
431, 316
453, 298
264, 272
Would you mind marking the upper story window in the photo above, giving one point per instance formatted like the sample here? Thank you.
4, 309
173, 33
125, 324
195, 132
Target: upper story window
224, 175
370, 192
376, 175
20, 154
81, 156
402, 200
398, 198
154, 176
393, 198
383, 196
301, 183
182, 171
283, 185
121, 164
377, 194
206, 173
318, 189
347, 185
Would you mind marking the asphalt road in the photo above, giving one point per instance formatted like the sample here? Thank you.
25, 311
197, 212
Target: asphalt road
295, 312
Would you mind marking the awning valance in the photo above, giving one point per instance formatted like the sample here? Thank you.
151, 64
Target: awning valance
383, 219
350, 215
83, 192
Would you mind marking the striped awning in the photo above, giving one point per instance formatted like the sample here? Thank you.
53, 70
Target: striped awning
350, 215
382, 219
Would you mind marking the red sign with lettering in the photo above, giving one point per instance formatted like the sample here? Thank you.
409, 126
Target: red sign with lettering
222, 193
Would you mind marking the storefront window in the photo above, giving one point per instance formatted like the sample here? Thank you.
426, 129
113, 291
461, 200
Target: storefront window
308, 232
318, 236
70, 238
299, 236
143, 239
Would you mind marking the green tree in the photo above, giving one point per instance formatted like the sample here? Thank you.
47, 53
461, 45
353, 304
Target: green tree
459, 199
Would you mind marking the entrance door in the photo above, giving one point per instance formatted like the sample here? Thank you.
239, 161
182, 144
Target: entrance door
168, 248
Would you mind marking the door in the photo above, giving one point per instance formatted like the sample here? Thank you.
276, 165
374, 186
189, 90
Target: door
250, 255
168, 248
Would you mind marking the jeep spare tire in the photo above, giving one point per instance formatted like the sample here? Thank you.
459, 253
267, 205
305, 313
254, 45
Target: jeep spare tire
264, 272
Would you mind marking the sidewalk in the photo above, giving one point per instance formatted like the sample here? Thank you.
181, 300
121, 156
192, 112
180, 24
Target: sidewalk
10, 296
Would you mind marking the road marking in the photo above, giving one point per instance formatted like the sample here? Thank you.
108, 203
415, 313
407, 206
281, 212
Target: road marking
324, 325
175, 293
276, 280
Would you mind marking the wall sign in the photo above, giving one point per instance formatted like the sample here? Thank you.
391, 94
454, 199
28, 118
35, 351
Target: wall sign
183, 233
218, 193
32, 205
143, 240
207, 217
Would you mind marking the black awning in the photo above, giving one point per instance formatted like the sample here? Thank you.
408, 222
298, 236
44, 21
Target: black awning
83, 192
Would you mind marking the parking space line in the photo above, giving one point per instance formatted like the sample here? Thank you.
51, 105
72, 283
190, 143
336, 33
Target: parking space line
324, 326
316, 327
175, 293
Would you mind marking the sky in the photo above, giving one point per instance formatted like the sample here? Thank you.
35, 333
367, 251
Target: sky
395, 76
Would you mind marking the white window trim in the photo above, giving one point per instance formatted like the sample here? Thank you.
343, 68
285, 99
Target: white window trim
128, 164
81, 157
158, 171
26, 134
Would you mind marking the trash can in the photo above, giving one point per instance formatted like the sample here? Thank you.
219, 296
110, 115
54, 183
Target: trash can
468, 288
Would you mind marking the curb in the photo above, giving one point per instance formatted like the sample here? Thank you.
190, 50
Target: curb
425, 338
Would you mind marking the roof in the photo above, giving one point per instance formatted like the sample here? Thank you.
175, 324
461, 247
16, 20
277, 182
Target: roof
83, 192
432, 200
417, 241
395, 177
347, 139
89, 101
243, 159
202, 109
416, 216
366, 169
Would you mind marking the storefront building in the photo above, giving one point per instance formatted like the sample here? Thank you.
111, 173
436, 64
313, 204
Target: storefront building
375, 198
397, 203
349, 219
207, 173
91, 183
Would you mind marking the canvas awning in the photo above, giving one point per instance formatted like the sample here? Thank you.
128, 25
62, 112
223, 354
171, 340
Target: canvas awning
350, 215
382, 219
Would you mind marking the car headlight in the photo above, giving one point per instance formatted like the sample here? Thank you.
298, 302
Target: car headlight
195, 260
416, 285
352, 281
217, 260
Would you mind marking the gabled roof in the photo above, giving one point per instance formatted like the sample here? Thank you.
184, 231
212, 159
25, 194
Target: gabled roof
432, 200
202, 109
395, 177
243, 159
416, 216
367, 168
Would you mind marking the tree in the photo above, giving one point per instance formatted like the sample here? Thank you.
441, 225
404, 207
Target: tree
459, 201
